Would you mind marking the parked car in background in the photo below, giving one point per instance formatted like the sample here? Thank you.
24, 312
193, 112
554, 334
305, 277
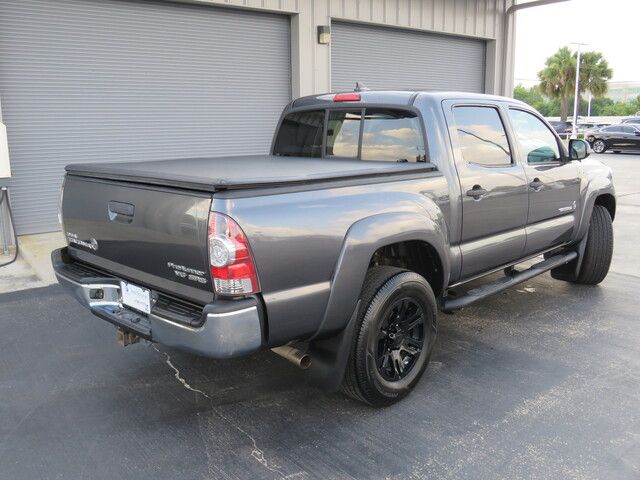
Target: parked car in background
623, 136
563, 129
634, 120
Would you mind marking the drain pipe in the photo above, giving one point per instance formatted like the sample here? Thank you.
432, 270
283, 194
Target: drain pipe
4, 201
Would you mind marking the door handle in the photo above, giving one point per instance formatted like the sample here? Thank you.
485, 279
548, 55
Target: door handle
536, 184
477, 192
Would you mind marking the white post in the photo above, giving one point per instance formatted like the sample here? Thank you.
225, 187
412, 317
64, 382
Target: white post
576, 98
589, 106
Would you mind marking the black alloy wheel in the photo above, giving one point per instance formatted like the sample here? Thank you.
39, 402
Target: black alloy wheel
400, 339
395, 332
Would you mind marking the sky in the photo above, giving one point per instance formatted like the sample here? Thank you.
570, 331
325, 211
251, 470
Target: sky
608, 26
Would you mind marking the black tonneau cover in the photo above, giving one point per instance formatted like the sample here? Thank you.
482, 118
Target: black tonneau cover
225, 173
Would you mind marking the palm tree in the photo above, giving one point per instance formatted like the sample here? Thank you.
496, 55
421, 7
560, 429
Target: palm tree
557, 80
594, 74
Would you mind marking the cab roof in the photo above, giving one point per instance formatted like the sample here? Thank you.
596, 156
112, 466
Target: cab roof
394, 97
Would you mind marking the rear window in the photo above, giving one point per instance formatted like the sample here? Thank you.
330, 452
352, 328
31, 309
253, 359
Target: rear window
343, 133
300, 135
392, 136
378, 134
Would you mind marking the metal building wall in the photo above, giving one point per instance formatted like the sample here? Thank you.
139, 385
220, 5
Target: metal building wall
109, 80
310, 62
385, 58
311, 72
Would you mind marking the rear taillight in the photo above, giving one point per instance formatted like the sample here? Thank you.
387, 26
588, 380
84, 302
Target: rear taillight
233, 270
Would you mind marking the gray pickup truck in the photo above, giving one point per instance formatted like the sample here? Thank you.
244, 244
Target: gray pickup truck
373, 211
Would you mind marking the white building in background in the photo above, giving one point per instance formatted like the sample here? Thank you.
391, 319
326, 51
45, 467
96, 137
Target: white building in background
623, 91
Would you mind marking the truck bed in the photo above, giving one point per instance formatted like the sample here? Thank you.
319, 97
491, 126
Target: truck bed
238, 172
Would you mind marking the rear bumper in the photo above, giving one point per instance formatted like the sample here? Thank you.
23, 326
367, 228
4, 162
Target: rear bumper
217, 330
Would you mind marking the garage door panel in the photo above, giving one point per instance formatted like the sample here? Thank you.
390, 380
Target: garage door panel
391, 58
112, 80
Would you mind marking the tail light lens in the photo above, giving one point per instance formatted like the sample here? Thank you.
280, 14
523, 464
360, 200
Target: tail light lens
233, 270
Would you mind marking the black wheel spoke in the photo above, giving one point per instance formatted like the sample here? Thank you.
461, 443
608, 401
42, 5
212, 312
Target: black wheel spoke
413, 321
412, 342
403, 308
400, 339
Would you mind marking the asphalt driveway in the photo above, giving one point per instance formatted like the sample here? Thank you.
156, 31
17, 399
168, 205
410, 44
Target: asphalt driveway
541, 381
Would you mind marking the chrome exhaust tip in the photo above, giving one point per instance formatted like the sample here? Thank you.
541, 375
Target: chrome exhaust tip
295, 355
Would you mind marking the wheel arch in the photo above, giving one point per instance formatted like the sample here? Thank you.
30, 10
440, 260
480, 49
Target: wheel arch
414, 255
598, 190
330, 345
608, 201
363, 240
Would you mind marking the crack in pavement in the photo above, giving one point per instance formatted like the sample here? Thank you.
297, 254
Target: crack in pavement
257, 453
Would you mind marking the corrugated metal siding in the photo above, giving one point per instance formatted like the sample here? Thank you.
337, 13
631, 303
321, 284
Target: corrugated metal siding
391, 58
109, 80
473, 18
463, 17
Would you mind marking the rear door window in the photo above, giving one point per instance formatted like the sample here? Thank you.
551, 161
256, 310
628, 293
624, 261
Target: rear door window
343, 133
392, 136
482, 136
300, 134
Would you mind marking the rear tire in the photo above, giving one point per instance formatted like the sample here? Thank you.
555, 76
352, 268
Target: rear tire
599, 248
599, 146
394, 337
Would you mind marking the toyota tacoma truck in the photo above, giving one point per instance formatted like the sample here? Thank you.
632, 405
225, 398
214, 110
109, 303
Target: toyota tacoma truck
372, 213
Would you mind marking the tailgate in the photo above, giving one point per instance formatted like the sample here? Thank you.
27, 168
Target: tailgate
152, 236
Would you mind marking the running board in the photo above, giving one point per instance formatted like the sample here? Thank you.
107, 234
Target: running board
475, 294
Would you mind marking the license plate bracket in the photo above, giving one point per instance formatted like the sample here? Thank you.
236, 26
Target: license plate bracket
138, 298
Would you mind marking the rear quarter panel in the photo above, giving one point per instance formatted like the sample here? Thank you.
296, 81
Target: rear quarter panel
297, 238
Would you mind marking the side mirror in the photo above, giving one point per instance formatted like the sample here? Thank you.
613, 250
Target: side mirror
637, 133
578, 149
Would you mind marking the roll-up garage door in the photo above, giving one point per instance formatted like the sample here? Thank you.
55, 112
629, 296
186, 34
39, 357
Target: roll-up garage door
391, 58
116, 80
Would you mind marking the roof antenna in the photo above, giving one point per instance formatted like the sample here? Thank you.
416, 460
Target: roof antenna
361, 87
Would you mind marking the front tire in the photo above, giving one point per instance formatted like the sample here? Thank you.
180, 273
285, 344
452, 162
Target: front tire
599, 146
394, 338
599, 248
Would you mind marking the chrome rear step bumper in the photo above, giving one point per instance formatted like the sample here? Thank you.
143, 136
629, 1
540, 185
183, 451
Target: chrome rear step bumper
222, 330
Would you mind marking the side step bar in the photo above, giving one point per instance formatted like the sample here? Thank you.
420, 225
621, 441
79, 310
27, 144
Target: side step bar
475, 294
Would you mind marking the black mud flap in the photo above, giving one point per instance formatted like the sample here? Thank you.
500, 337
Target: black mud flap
570, 271
329, 357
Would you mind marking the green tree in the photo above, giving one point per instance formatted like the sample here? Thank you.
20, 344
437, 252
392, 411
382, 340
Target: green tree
594, 74
557, 79
532, 95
